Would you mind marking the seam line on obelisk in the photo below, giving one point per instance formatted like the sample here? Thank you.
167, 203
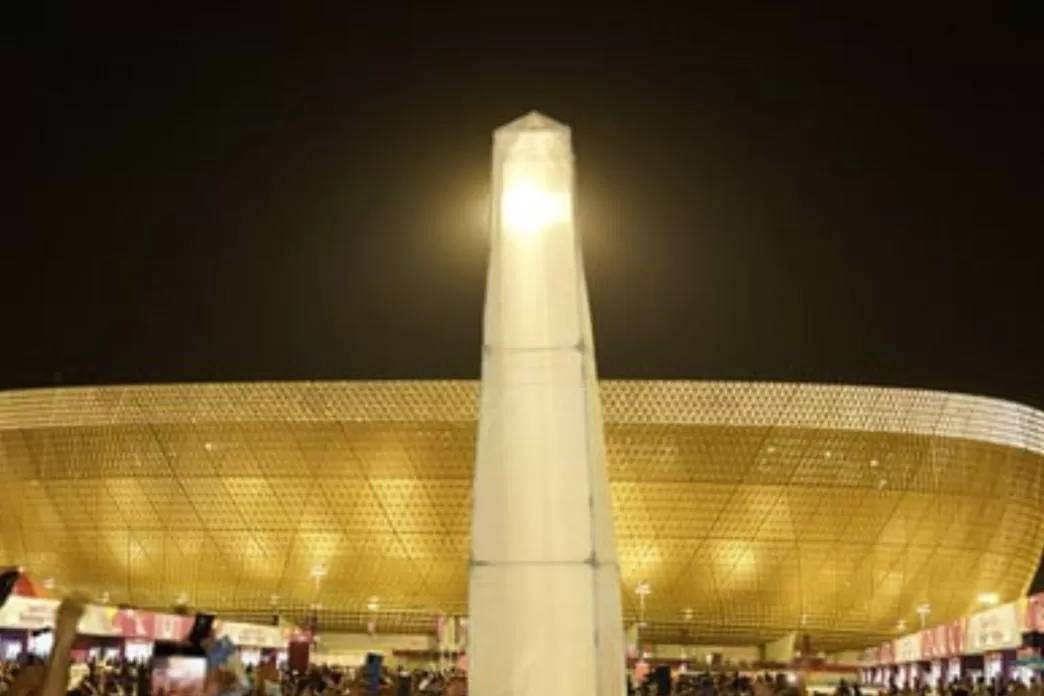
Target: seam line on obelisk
574, 347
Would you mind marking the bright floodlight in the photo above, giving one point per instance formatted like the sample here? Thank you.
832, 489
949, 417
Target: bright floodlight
528, 207
533, 176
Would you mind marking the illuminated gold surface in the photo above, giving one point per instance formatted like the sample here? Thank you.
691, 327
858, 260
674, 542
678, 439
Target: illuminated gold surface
762, 507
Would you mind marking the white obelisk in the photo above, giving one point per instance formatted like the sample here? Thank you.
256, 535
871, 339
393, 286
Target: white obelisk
544, 601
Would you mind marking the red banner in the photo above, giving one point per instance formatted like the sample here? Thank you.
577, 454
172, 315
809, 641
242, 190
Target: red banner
135, 625
170, 627
955, 637
942, 641
1033, 617
933, 642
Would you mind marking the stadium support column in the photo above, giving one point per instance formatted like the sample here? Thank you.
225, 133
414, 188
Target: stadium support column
544, 598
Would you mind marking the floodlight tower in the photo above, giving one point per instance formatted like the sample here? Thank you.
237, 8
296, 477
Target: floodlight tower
544, 599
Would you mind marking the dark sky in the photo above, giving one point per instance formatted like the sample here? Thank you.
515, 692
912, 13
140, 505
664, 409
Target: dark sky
778, 196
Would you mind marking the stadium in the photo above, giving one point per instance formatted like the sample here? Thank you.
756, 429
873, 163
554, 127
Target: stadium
750, 510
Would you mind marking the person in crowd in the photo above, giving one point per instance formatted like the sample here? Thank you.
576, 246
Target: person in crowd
267, 680
51, 678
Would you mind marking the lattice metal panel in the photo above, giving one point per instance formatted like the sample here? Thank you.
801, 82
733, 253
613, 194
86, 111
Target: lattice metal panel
763, 508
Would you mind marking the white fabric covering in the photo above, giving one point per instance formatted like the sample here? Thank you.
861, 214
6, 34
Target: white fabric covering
544, 603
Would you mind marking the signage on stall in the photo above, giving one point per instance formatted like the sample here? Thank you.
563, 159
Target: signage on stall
253, 635
30, 614
124, 623
998, 628
908, 648
27, 613
886, 653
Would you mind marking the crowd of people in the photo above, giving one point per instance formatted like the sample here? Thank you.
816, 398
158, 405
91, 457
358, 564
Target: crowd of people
32, 676
29, 676
134, 678
969, 686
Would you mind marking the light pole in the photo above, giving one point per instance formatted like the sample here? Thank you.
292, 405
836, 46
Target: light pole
688, 633
373, 606
643, 590
318, 573
923, 611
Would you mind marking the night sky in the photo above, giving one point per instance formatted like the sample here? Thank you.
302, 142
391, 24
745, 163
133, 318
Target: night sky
776, 196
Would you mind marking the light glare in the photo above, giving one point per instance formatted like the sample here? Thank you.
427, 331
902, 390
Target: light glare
528, 208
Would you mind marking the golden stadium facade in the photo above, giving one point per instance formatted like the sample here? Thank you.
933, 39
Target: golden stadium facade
763, 508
